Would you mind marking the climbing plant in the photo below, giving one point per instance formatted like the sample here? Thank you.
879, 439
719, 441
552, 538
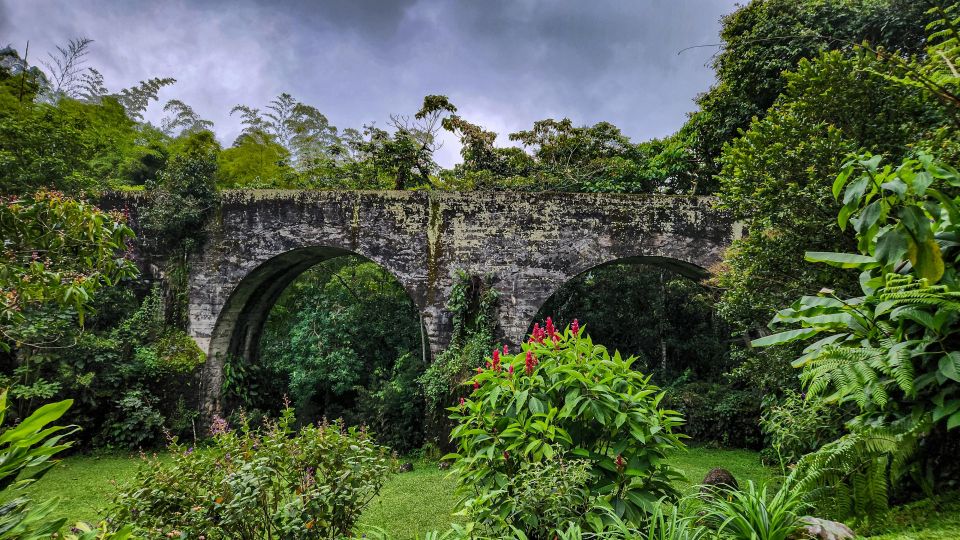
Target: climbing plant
473, 305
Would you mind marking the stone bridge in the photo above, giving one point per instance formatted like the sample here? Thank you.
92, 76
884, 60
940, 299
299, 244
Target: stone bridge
529, 243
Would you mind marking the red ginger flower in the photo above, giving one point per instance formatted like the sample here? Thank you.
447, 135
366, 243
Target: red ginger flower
496, 359
476, 385
551, 331
510, 369
530, 362
620, 463
575, 327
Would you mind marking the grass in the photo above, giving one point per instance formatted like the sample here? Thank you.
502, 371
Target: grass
413, 503
85, 484
745, 465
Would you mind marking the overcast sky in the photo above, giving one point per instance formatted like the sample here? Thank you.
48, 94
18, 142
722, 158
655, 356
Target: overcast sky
503, 63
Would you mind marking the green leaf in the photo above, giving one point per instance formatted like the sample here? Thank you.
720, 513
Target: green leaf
953, 421
946, 409
536, 406
949, 366
916, 223
844, 216
842, 260
891, 247
784, 337
871, 163
36, 421
896, 186
947, 204
856, 189
868, 217
841, 180
921, 181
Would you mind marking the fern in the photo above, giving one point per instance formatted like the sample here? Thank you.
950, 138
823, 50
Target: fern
894, 352
853, 474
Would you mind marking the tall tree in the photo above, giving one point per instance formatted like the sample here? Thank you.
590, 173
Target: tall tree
765, 38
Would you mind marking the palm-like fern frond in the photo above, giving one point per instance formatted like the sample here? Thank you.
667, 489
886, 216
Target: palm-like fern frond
852, 475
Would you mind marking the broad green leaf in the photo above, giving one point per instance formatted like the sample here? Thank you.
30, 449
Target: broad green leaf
916, 223
820, 301
36, 421
844, 216
946, 409
842, 260
921, 181
871, 162
953, 421
948, 204
896, 186
892, 247
949, 366
841, 180
784, 337
867, 218
856, 189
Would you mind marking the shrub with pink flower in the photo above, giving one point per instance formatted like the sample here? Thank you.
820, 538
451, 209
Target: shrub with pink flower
563, 396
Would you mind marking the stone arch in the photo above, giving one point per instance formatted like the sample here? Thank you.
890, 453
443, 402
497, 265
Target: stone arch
537, 296
241, 319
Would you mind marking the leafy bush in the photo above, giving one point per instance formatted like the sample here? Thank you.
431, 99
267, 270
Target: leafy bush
145, 370
25, 456
795, 426
393, 410
343, 341
135, 422
274, 483
717, 413
562, 396
891, 353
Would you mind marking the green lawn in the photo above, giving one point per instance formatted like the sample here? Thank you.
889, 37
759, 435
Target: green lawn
414, 503
85, 484
423, 500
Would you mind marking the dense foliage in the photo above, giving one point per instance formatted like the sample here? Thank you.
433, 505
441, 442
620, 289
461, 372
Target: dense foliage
255, 484
343, 341
563, 396
669, 323
57, 253
891, 351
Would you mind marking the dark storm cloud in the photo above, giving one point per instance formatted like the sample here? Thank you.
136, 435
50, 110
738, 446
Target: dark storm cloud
4, 20
504, 63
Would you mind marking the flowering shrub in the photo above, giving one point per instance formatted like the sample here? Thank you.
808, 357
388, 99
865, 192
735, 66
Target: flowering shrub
561, 395
275, 483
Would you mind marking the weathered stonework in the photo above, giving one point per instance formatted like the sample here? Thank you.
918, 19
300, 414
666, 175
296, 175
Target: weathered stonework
531, 243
